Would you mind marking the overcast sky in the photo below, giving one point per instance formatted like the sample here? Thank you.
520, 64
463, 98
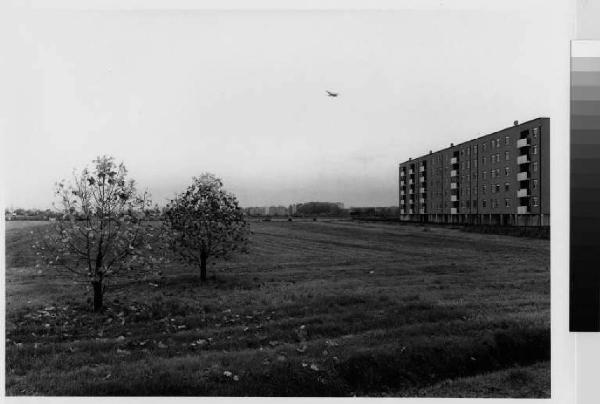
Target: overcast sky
242, 95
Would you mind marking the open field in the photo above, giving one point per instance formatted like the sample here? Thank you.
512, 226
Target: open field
326, 308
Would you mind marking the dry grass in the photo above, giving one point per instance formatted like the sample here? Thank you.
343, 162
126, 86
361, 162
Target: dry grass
317, 308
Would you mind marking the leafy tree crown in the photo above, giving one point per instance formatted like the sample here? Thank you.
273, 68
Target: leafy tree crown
206, 220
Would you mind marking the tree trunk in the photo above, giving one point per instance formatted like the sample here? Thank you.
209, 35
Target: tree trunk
97, 285
203, 267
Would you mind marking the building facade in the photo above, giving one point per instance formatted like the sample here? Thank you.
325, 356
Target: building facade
501, 179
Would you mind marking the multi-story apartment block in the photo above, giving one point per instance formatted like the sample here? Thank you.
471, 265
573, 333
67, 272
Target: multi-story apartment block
500, 178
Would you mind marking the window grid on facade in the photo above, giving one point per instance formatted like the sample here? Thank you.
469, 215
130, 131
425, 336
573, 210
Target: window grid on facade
454, 183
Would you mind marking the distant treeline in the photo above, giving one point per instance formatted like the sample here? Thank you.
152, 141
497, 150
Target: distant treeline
30, 214
323, 209
48, 214
378, 212
320, 209
308, 209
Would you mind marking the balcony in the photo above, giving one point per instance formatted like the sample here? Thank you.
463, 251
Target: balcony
521, 210
411, 202
410, 182
453, 211
402, 173
401, 211
524, 159
401, 202
454, 198
422, 211
422, 190
523, 176
522, 193
454, 160
410, 191
422, 169
523, 143
421, 179
454, 185
422, 200
410, 212
411, 172
402, 193
402, 183
454, 173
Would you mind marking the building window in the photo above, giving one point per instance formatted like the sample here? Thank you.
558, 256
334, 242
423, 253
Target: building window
506, 187
535, 132
507, 140
507, 203
483, 190
483, 174
475, 149
468, 163
492, 188
498, 142
483, 203
493, 173
497, 172
534, 184
497, 187
492, 143
506, 155
507, 171
534, 148
497, 157
534, 201
483, 161
474, 163
535, 166
468, 151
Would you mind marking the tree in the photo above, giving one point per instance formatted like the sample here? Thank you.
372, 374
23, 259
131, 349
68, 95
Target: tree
205, 221
103, 229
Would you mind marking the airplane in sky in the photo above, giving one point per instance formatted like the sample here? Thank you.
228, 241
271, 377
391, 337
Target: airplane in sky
332, 94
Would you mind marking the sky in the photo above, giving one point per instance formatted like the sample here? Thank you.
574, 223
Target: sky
242, 94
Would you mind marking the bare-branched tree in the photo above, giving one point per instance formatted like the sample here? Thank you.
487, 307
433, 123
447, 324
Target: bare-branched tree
105, 228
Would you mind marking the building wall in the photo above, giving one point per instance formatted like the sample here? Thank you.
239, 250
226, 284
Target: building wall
504, 174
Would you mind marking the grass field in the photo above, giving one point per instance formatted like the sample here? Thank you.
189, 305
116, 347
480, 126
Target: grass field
316, 309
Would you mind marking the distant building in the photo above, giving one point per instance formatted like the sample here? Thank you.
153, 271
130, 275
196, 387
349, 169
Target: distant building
278, 211
256, 211
500, 178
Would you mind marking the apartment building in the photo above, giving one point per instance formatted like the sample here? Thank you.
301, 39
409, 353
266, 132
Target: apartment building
502, 178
